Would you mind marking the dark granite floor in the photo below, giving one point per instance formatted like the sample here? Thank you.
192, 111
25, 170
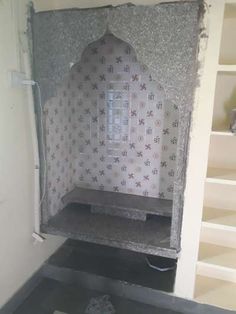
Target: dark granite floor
51, 295
80, 271
112, 263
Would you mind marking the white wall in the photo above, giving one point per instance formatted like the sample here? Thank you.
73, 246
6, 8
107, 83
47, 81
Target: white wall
19, 258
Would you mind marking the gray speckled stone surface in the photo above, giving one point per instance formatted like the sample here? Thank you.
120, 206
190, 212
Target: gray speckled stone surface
59, 38
119, 212
165, 38
76, 222
119, 204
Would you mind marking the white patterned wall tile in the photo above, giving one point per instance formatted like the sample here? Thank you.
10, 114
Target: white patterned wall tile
110, 127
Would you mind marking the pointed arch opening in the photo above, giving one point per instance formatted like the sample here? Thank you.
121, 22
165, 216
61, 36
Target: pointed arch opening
110, 127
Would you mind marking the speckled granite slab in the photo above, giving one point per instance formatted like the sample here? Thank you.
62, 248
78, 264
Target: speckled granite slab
76, 222
119, 204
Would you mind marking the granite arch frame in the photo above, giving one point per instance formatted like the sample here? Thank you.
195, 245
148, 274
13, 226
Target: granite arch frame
66, 33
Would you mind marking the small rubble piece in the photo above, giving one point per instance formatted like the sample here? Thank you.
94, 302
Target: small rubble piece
233, 121
100, 305
161, 263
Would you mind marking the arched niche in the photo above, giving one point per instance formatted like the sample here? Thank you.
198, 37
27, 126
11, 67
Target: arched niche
165, 38
110, 127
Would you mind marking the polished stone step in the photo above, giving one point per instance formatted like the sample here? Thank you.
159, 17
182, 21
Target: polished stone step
119, 204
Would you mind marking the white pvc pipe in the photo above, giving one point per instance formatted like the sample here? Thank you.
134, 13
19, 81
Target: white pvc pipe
34, 138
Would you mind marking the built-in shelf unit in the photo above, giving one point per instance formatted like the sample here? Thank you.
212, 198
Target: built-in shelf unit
216, 267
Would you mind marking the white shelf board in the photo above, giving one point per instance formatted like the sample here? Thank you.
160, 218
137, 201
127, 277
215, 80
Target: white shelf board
222, 152
218, 216
221, 176
216, 271
217, 262
226, 68
218, 234
215, 292
217, 255
219, 196
222, 133
216, 226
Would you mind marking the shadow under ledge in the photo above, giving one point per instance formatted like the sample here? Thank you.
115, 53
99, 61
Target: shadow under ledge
80, 221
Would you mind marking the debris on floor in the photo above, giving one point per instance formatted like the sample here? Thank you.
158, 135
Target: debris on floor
100, 305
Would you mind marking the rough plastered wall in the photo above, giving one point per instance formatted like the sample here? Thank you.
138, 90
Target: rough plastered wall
19, 257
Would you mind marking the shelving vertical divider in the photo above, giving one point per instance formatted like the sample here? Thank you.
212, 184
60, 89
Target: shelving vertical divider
198, 149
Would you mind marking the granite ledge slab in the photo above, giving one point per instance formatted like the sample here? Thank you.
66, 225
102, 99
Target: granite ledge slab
122, 201
76, 222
